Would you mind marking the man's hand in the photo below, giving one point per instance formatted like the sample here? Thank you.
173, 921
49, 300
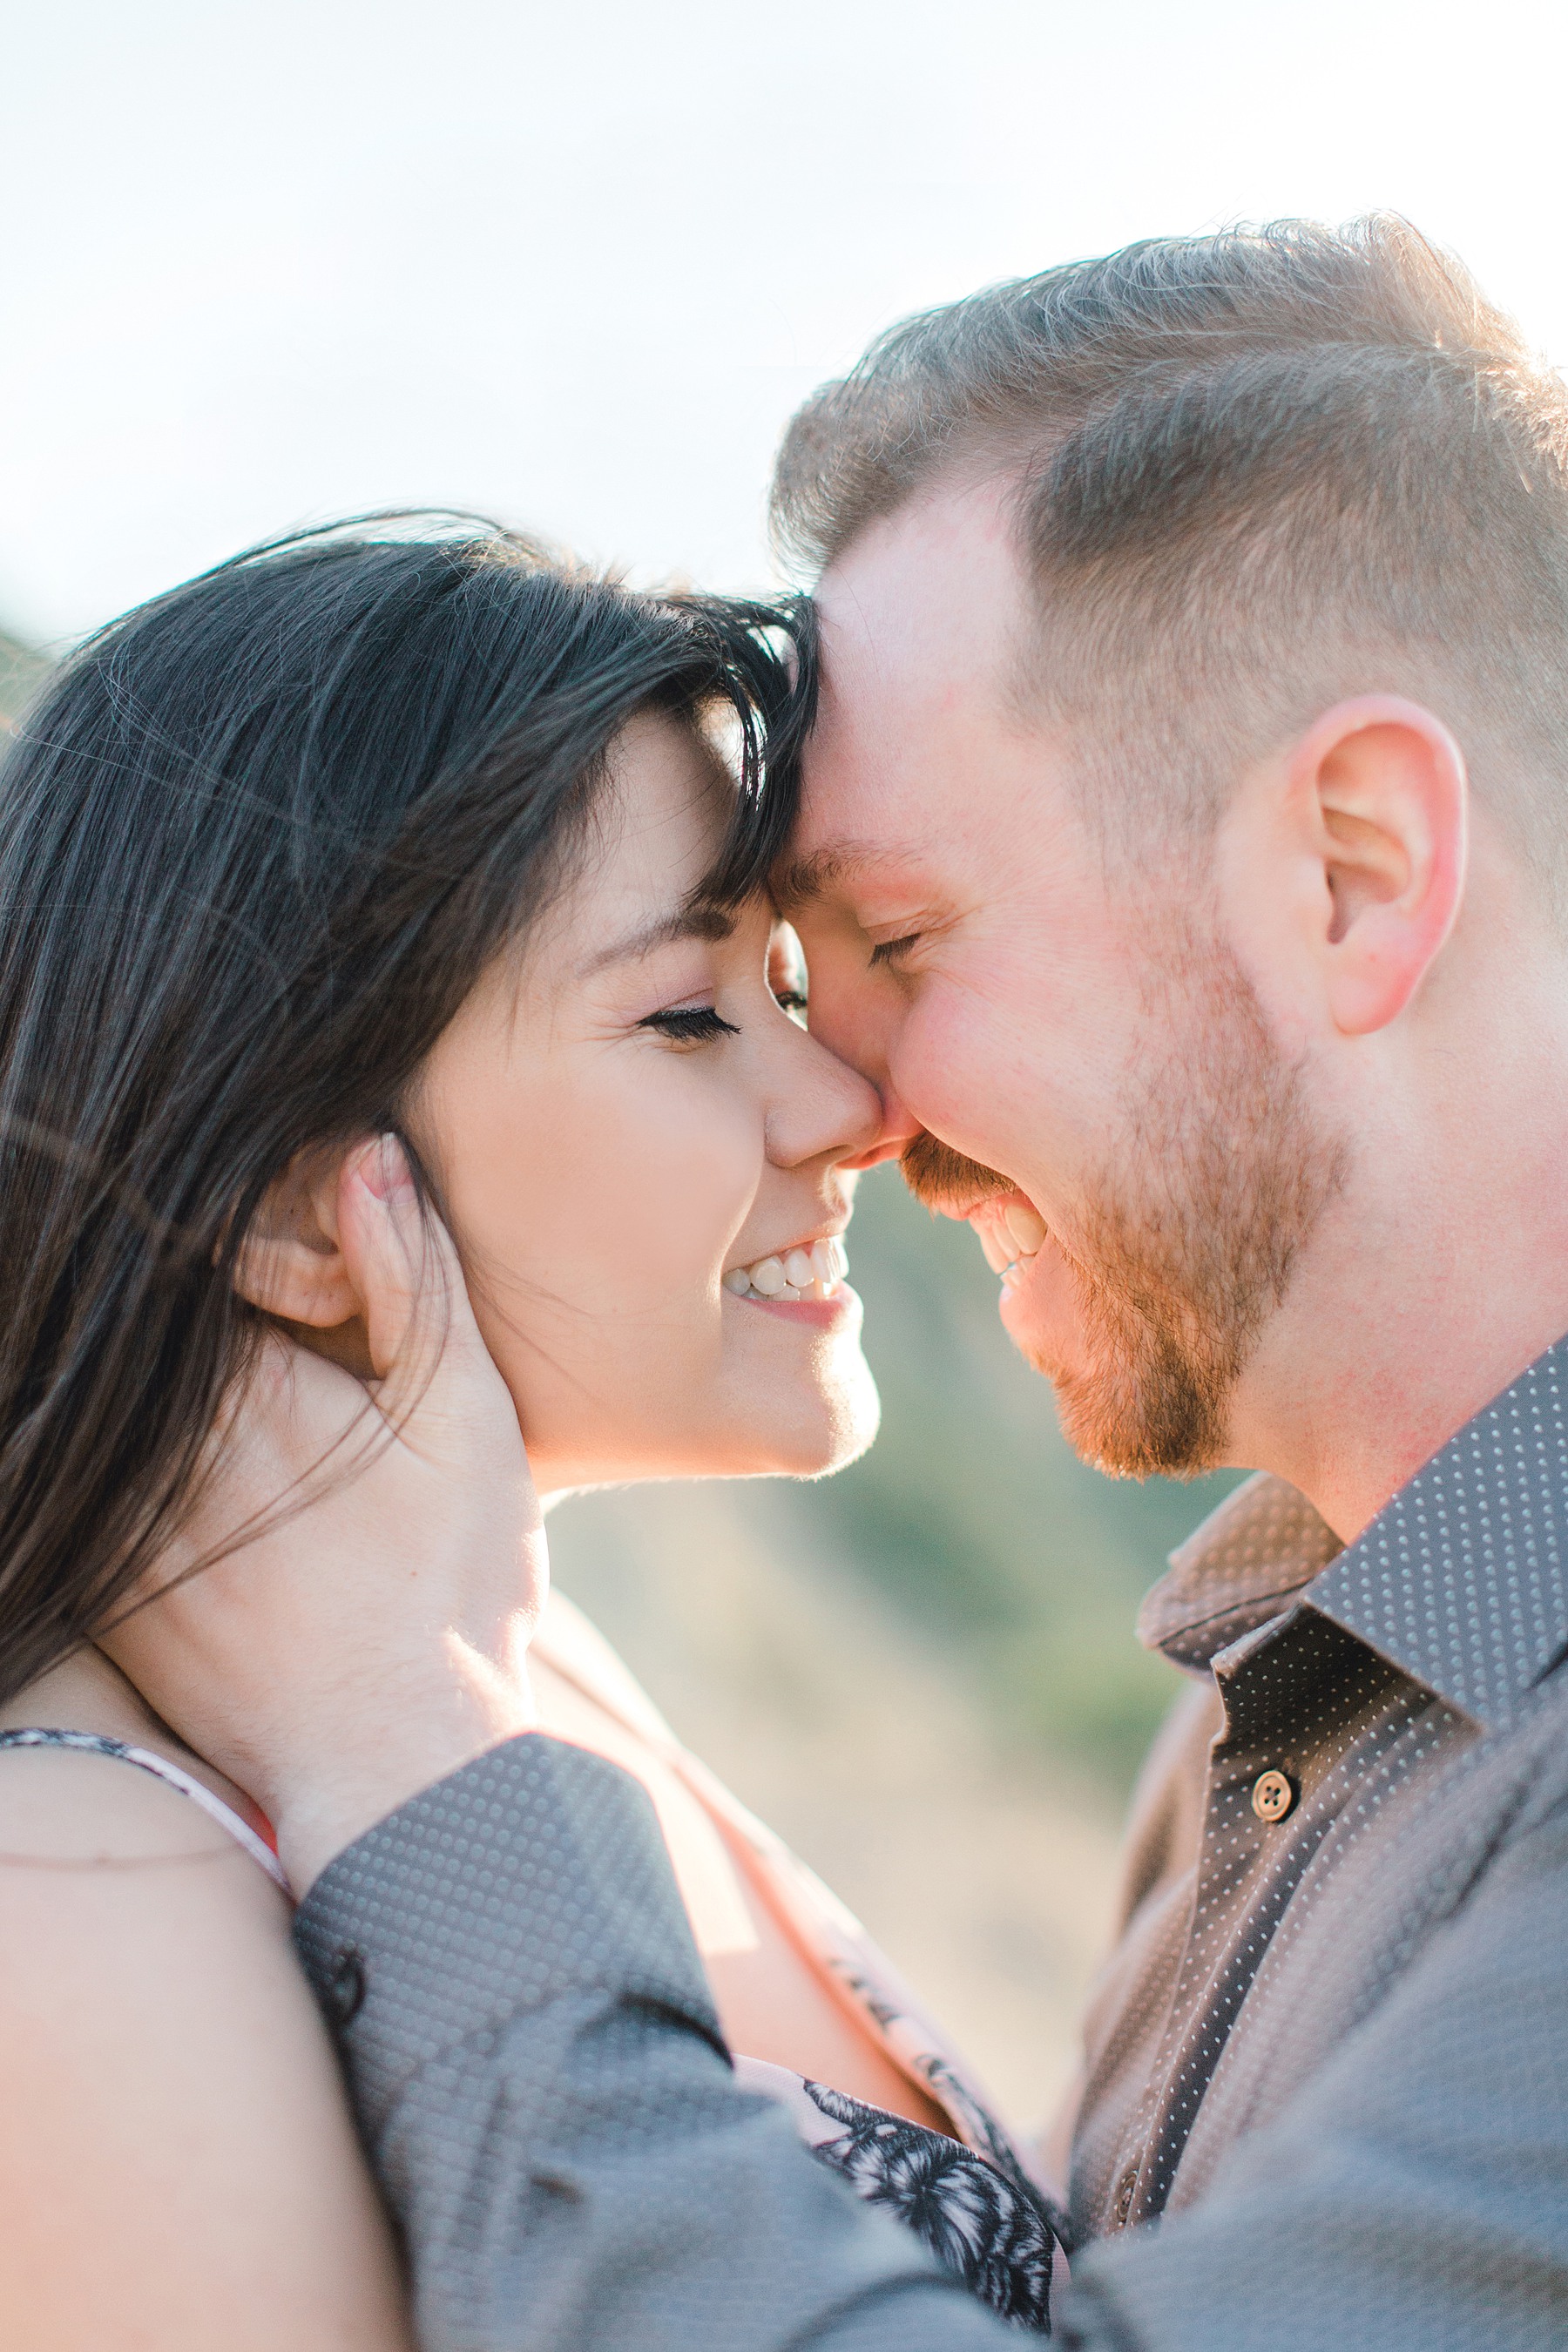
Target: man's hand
371, 1637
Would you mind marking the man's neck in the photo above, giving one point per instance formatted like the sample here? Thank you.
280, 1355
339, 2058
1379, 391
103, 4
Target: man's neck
1417, 1303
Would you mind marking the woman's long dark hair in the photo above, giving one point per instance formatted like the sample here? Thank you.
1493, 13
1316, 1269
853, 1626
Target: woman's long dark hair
257, 842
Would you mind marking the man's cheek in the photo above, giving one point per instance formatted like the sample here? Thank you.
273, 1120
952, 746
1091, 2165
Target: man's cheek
949, 1075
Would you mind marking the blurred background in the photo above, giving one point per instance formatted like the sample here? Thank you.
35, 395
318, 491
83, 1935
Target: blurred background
574, 267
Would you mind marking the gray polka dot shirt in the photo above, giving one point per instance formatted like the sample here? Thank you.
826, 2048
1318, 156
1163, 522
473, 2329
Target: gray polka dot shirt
1327, 2092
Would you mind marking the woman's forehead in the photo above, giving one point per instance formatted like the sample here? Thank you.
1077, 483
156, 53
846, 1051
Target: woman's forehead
663, 814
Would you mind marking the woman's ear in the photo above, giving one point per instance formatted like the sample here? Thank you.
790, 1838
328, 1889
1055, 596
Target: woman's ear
290, 1265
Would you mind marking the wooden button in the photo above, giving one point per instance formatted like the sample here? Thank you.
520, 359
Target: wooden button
1272, 1796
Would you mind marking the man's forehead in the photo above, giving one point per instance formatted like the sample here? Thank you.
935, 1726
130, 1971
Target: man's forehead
937, 586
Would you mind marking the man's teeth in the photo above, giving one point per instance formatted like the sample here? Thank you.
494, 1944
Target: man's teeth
1027, 1225
1010, 1236
812, 1273
997, 1258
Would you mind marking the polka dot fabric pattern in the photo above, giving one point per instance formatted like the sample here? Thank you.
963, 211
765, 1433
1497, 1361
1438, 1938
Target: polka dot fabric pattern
1262, 1545
1406, 1690
1326, 2090
540, 2085
1463, 1580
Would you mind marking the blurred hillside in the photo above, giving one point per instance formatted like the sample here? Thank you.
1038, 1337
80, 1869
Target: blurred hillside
923, 1672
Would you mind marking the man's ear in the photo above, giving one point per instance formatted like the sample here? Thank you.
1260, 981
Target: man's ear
1379, 784
290, 1265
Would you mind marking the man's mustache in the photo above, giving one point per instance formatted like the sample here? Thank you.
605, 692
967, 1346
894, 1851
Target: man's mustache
944, 1179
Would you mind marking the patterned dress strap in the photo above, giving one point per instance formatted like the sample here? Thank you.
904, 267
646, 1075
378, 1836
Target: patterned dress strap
95, 1743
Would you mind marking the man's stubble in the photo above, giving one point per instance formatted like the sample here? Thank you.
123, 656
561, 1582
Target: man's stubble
1188, 1238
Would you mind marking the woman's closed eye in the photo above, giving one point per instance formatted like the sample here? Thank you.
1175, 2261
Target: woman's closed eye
690, 1025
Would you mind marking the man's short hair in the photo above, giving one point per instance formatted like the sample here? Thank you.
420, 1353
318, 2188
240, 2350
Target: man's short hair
1256, 472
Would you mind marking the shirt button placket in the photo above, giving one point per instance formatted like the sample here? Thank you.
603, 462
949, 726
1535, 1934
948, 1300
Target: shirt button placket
1126, 2190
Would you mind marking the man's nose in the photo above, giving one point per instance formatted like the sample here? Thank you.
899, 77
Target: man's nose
899, 1127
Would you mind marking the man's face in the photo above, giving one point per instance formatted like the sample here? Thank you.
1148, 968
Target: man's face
1087, 1037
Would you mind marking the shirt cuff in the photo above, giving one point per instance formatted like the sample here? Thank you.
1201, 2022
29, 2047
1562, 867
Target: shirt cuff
536, 1871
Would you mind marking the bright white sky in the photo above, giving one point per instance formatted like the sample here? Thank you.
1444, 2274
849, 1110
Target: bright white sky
573, 261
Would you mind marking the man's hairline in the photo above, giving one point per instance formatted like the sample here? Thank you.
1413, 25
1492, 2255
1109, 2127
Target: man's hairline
983, 459
991, 456
1022, 694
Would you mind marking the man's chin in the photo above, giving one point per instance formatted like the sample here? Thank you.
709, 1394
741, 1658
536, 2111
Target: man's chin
1127, 1407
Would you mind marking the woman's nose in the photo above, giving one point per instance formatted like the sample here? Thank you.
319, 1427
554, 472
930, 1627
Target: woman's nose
826, 1109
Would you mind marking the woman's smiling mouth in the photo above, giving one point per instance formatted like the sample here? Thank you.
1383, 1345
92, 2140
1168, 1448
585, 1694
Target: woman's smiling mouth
810, 1270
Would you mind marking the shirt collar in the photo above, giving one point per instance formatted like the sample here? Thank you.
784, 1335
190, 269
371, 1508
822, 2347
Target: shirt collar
1244, 1564
1461, 1580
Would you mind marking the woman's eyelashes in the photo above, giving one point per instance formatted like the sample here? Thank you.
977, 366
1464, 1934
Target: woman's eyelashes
703, 1025
690, 1025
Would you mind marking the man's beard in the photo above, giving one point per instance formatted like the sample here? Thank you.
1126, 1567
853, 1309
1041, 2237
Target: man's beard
944, 1180
1191, 1236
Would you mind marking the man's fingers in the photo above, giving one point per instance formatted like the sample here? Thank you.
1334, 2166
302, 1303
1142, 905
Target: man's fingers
288, 1418
423, 1342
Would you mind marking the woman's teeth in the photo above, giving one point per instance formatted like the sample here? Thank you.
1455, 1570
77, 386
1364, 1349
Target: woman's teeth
810, 1273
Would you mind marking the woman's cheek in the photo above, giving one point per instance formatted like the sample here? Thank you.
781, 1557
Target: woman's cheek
597, 1199
689, 1165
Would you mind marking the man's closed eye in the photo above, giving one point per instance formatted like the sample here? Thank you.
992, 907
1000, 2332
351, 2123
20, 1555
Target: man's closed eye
888, 952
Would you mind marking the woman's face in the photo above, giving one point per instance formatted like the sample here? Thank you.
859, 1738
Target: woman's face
630, 1118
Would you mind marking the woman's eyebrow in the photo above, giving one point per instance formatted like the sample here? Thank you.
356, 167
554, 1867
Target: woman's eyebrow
701, 920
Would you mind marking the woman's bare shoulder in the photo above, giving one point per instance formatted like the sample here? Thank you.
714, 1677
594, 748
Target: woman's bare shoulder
177, 2163
87, 1694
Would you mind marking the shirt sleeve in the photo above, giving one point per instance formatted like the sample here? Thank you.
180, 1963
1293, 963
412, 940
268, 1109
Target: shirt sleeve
544, 2096
546, 2101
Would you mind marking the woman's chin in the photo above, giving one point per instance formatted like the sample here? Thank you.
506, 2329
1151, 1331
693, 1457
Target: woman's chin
823, 1433
805, 1437
800, 1398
